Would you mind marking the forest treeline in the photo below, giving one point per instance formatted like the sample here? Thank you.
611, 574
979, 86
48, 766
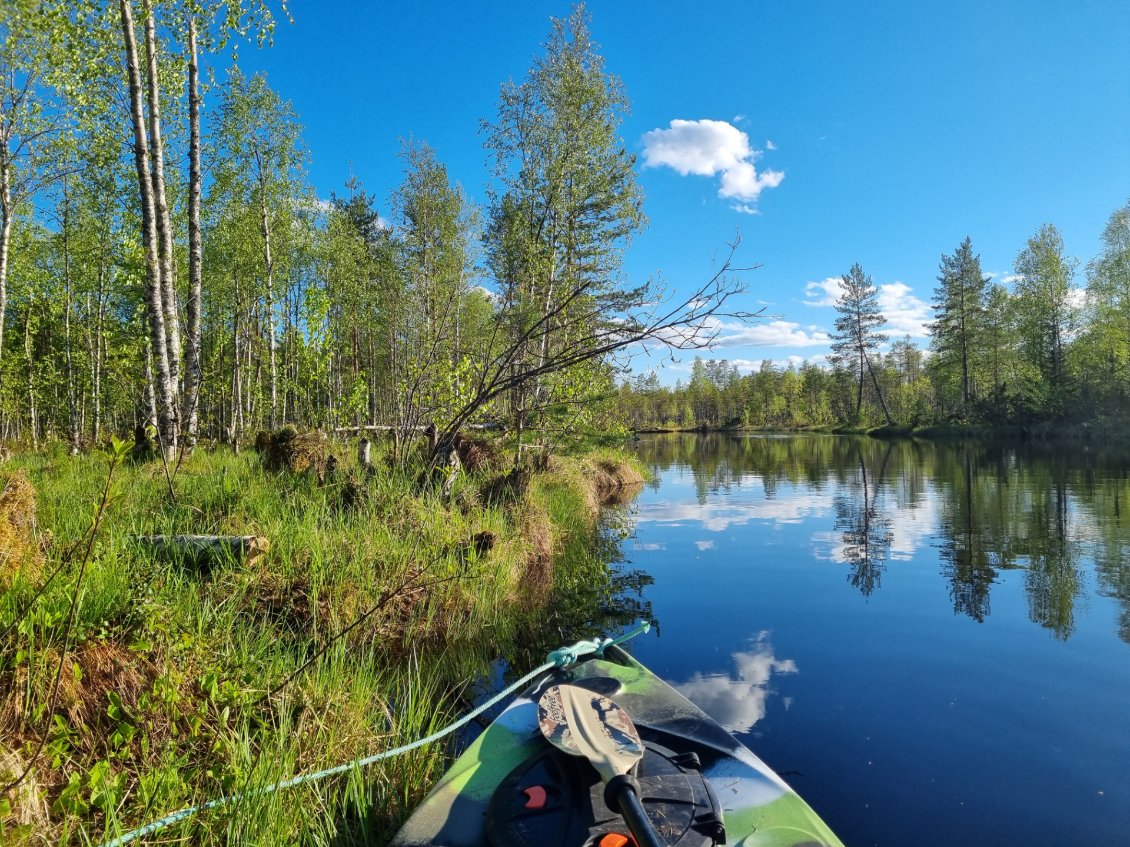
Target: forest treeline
1048, 347
161, 267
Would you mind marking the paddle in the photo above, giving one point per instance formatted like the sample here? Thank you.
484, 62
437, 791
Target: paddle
582, 723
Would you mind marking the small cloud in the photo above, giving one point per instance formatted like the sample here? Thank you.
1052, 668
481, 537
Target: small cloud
769, 145
905, 313
826, 292
1011, 278
704, 545
738, 699
739, 119
770, 334
712, 148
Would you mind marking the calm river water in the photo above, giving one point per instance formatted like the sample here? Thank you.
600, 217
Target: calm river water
929, 641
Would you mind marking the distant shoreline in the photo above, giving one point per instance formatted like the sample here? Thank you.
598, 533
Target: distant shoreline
1099, 433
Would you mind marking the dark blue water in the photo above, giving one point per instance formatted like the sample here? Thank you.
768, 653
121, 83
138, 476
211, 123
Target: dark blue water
929, 641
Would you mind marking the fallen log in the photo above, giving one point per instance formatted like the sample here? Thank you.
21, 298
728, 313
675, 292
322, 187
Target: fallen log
209, 548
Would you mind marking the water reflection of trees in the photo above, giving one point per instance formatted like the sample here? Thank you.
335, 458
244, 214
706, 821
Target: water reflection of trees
866, 531
1049, 511
602, 594
970, 502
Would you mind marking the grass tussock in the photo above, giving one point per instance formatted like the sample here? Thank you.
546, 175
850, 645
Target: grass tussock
20, 551
381, 597
290, 450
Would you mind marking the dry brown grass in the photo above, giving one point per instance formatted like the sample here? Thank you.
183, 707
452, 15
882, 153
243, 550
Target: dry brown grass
103, 666
19, 548
289, 605
537, 578
476, 454
614, 482
89, 674
28, 801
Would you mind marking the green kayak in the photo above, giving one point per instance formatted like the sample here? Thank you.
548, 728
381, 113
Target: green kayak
698, 785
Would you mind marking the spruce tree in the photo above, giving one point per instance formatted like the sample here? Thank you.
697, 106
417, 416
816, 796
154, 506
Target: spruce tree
959, 309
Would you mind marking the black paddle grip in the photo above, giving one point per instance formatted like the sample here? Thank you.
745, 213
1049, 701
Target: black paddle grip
622, 794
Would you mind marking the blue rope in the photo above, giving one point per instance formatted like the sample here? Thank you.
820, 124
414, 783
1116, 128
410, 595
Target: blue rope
564, 657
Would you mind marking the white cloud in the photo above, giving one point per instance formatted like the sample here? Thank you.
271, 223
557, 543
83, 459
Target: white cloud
911, 529
1011, 278
784, 508
704, 545
823, 293
771, 334
769, 145
905, 313
710, 148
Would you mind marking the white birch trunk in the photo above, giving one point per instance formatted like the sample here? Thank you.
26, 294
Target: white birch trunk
5, 233
32, 403
161, 206
163, 384
191, 413
269, 271
72, 395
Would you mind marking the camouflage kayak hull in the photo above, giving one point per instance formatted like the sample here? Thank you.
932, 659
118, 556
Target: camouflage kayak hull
560, 803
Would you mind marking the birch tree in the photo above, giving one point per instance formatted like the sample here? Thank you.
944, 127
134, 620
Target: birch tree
260, 165
1108, 291
1047, 311
566, 204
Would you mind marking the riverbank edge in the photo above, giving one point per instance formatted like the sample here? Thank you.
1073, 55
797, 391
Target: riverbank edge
142, 707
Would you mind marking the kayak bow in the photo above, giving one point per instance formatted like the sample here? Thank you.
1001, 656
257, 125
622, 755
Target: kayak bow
698, 785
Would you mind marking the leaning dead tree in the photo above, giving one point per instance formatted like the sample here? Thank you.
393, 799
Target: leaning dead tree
585, 325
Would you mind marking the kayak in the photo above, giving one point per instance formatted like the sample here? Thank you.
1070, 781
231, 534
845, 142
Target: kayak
698, 785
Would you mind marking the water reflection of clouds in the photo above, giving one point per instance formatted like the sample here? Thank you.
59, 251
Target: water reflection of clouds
738, 703
719, 515
910, 528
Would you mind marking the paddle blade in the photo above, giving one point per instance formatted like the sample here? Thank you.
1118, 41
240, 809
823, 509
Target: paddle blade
583, 723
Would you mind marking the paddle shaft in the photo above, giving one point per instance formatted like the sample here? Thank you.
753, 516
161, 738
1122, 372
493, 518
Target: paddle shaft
636, 819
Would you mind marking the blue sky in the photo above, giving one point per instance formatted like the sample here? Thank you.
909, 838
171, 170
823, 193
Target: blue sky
827, 133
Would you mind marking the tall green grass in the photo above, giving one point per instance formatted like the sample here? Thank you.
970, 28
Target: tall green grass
181, 682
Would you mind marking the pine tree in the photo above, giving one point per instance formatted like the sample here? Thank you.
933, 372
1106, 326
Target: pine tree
855, 333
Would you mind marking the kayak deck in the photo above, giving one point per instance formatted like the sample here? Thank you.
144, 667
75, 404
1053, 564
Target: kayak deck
759, 809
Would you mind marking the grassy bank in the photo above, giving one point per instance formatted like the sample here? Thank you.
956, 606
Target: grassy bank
177, 680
